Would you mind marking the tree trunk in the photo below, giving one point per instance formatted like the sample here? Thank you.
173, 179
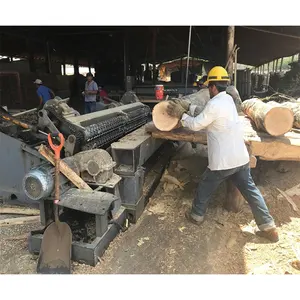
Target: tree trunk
275, 120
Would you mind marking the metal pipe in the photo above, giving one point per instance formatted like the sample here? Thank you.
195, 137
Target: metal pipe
188, 59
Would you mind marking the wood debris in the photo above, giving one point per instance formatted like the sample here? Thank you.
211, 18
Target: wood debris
296, 264
166, 178
141, 241
289, 199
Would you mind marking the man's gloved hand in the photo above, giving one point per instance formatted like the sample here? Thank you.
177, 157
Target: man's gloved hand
175, 110
184, 103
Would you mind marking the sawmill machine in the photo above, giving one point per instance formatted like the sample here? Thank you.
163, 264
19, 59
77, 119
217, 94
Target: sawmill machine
108, 149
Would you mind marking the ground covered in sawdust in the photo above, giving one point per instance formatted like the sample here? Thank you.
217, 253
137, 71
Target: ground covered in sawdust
163, 242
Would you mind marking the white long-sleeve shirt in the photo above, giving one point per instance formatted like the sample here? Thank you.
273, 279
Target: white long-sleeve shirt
226, 147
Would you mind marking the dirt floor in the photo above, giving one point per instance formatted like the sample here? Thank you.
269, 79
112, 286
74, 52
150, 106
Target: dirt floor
163, 242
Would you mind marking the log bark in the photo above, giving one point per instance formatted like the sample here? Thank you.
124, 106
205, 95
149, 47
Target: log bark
295, 108
275, 120
64, 169
180, 134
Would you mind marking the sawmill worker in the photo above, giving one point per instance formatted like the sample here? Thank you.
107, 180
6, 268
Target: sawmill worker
90, 94
43, 92
227, 153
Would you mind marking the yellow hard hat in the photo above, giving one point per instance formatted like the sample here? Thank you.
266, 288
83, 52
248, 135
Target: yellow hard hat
217, 74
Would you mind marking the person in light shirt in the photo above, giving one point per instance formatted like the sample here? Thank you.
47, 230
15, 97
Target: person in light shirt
227, 153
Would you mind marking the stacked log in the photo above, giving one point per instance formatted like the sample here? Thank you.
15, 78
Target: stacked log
274, 119
295, 108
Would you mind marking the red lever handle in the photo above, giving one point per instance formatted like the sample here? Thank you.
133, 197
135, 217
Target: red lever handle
56, 148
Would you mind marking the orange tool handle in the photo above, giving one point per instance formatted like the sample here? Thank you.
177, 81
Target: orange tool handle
56, 148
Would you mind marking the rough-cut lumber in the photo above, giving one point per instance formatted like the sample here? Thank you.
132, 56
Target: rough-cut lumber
275, 120
19, 211
260, 144
19, 221
64, 169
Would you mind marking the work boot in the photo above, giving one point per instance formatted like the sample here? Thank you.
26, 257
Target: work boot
271, 235
196, 219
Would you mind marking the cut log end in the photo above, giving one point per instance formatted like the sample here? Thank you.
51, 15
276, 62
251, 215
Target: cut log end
161, 119
278, 121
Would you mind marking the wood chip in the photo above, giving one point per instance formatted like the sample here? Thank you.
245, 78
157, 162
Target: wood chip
296, 264
181, 228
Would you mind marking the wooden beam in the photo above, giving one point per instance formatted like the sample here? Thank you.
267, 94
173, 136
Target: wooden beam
64, 169
261, 144
281, 62
230, 45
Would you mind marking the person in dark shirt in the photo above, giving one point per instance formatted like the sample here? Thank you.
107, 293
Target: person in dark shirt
43, 92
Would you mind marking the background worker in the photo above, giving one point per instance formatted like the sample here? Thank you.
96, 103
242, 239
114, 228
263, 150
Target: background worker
227, 153
90, 94
43, 92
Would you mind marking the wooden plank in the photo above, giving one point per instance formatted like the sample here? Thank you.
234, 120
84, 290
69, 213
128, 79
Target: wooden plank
64, 169
19, 211
19, 221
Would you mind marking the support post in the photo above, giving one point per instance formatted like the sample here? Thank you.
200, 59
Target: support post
89, 65
154, 36
125, 57
234, 200
281, 62
188, 60
181, 71
276, 65
235, 67
30, 56
64, 66
48, 58
76, 66
230, 45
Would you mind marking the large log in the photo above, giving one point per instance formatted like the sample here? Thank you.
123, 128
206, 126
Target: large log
261, 144
275, 120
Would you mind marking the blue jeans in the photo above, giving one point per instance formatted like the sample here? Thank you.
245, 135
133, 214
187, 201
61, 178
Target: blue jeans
242, 179
89, 107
